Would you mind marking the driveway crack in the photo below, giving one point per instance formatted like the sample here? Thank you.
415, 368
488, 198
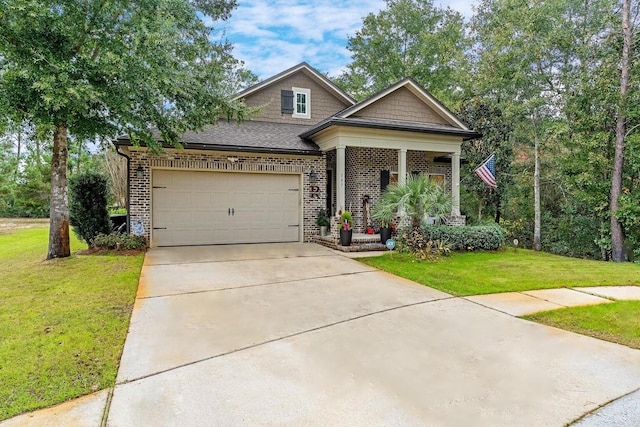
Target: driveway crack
256, 285
295, 334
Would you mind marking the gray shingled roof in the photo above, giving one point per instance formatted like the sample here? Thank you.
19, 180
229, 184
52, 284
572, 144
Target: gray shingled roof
390, 125
248, 136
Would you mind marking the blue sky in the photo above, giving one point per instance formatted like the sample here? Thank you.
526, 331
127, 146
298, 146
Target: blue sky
273, 35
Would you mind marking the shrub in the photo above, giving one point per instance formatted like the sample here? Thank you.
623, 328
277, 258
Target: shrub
346, 221
418, 197
119, 241
414, 242
323, 220
88, 199
474, 238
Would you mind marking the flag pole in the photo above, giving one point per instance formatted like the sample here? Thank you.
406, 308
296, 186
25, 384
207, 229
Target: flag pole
485, 161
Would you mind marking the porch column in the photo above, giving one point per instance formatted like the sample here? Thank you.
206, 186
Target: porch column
455, 183
340, 178
402, 166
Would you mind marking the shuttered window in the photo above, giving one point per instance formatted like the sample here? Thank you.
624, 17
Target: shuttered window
286, 97
384, 180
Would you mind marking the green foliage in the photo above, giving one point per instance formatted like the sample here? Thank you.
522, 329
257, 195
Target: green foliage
553, 70
483, 116
408, 38
346, 221
616, 322
90, 69
472, 238
629, 215
417, 198
323, 219
25, 179
384, 213
119, 242
509, 270
88, 205
115, 68
63, 323
415, 243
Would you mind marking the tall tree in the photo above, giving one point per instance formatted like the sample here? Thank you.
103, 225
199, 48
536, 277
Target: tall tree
108, 67
408, 38
532, 58
617, 236
496, 132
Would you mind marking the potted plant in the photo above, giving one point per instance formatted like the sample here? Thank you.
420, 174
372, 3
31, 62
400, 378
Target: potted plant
384, 213
346, 228
323, 222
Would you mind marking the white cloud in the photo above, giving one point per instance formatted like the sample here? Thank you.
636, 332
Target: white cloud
272, 35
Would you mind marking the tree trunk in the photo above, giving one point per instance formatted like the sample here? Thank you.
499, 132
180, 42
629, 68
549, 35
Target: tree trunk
479, 209
498, 212
617, 236
59, 212
536, 195
19, 150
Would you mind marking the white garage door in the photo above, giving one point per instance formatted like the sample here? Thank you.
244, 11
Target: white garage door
203, 208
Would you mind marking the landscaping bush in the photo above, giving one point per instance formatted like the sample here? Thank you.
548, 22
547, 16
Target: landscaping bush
473, 238
119, 242
413, 241
88, 200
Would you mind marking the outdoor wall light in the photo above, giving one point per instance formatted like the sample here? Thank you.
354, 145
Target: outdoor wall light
313, 177
139, 172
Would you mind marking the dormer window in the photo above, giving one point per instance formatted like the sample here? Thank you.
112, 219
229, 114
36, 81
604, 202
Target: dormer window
302, 103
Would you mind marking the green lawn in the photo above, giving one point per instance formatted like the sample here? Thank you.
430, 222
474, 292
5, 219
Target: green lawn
475, 273
62, 322
617, 322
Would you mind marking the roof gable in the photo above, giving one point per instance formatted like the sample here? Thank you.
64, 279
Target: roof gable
311, 72
406, 100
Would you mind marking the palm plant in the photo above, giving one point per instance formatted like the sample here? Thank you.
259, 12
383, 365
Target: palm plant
417, 198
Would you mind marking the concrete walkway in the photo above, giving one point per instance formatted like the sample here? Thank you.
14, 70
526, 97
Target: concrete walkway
529, 302
300, 335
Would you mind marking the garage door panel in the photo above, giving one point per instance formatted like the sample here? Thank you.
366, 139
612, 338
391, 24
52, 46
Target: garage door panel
195, 208
162, 178
241, 200
182, 179
163, 219
202, 218
290, 234
201, 199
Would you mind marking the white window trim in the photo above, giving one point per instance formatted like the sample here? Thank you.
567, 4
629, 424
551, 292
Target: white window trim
307, 93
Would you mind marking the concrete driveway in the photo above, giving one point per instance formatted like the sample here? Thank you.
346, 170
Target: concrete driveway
298, 335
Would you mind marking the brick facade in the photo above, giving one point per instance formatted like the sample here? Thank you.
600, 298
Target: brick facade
362, 175
313, 199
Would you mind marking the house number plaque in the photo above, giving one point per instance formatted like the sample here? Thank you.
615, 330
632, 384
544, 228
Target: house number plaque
314, 192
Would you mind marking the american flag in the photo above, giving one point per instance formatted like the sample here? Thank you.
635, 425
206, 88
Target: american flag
487, 171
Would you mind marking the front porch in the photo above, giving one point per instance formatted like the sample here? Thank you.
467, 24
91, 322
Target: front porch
358, 175
360, 242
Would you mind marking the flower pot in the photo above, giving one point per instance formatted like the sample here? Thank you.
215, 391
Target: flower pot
385, 234
323, 230
345, 237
